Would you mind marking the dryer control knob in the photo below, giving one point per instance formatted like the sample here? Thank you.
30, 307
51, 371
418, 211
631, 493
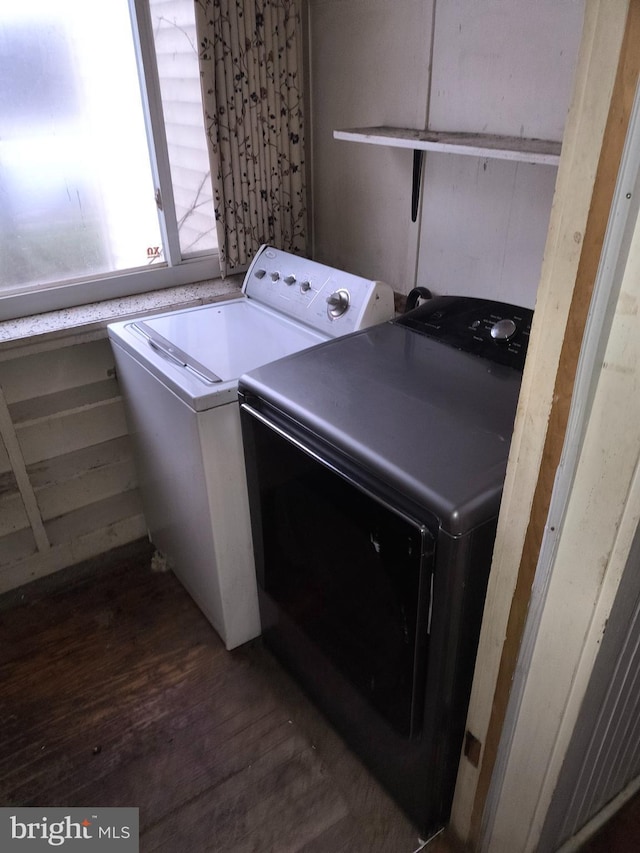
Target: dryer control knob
305, 285
260, 273
338, 303
275, 276
503, 330
290, 279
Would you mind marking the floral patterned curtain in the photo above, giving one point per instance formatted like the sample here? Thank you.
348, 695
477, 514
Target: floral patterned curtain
252, 84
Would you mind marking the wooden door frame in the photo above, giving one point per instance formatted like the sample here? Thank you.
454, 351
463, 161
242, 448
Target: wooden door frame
604, 88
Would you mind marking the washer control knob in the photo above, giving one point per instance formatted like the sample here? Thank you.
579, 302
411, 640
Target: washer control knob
305, 285
503, 330
275, 276
260, 273
338, 303
290, 279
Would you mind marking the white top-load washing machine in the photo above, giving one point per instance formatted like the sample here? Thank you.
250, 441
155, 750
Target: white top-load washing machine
178, 374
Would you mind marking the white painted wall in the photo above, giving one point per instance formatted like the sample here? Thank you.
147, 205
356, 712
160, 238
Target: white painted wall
499, 66
369, 66
484, 226
504, 66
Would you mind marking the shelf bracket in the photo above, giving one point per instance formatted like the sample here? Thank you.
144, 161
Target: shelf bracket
418, 156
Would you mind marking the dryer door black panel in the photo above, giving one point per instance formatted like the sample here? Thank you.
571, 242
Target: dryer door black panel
353, 574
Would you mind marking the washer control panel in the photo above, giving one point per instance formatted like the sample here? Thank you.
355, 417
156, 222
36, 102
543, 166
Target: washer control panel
330, 300
494, 330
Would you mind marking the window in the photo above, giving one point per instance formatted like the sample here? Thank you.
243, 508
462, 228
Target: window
104, 171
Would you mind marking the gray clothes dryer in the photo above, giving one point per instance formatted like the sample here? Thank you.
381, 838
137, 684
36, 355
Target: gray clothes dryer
375, 467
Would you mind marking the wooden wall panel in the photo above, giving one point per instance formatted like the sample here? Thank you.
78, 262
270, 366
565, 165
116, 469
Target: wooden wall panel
5, 465
64, 418
12, 512
15, 548
97, 482
41, 373
50, 472
101, 515
72, 430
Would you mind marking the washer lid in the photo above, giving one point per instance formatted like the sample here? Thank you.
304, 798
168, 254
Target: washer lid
200, 352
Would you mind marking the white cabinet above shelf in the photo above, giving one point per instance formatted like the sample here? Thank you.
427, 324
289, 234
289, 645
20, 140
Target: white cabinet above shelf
472, 144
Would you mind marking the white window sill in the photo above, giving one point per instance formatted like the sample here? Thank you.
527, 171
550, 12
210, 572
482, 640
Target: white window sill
92, 319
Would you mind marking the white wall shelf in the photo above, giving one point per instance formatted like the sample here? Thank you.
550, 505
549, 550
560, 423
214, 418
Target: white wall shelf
472, 144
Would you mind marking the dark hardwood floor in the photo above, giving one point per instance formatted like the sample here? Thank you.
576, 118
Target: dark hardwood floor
621, 834
116, 691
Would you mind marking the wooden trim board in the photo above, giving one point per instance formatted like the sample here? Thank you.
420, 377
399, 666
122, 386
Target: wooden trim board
591, 156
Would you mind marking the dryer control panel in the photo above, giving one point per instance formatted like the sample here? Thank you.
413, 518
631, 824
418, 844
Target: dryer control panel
493, 330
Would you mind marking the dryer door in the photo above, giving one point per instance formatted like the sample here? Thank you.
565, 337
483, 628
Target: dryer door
351, 572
